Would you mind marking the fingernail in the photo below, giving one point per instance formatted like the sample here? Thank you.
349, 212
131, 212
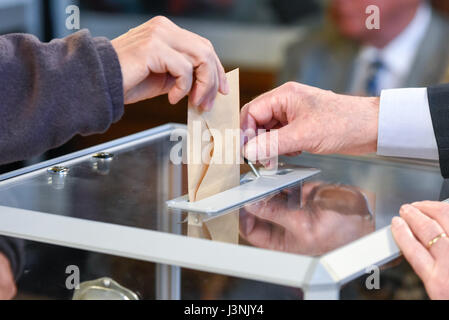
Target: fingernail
397, 221
406, 209
250, 222
226, 86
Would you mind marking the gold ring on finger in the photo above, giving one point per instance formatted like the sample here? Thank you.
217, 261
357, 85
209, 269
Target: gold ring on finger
435, 240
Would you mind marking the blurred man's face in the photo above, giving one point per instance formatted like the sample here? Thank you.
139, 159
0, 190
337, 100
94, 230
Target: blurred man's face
350, 16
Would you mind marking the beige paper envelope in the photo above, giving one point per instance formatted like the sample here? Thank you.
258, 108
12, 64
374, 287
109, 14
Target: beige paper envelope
213, 150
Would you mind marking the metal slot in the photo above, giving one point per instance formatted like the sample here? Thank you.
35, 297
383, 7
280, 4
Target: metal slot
247, 192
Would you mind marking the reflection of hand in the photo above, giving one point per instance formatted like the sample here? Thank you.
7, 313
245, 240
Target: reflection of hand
159, 57
7, 284
312, 120
330, 217
419, 224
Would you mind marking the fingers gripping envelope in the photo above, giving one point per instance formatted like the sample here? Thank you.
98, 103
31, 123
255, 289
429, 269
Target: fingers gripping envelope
213, 149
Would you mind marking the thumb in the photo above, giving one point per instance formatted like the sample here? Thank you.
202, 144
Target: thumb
272, 144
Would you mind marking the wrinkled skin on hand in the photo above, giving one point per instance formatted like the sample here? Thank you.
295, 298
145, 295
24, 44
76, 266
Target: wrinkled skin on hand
158, 57
418, 224
309, 119
315, 221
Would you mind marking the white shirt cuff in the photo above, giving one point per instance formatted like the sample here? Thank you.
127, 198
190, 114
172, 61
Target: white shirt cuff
405, 125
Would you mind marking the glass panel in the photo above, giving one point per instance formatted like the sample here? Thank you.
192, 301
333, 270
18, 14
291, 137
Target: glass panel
44, 277
124, 190
350, 198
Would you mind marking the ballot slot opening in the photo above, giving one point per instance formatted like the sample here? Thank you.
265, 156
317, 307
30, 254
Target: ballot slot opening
250, 189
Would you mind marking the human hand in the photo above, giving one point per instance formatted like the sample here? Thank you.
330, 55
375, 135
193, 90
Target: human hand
419, 224
159, 57
7, 284
314, 221
309, 119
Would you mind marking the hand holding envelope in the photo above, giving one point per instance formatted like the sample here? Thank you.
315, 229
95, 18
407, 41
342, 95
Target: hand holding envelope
214, 160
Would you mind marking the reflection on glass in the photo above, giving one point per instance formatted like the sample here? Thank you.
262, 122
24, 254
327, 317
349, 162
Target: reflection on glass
311, 220
223, 228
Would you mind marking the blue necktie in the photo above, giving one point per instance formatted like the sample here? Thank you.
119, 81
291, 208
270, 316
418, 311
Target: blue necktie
372, 86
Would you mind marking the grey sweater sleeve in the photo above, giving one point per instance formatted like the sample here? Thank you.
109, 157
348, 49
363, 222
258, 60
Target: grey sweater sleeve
50, 92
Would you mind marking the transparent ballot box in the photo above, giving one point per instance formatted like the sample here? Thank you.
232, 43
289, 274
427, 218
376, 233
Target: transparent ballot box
113, 222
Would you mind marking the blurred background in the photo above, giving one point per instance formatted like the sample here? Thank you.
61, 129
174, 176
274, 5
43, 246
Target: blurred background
249, 34
317, 42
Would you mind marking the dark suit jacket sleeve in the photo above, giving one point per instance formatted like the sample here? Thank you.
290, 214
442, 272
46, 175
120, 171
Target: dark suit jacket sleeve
50, 92
439, 111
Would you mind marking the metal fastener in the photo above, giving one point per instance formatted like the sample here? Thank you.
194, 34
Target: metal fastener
106, 282
59, 170
103, 156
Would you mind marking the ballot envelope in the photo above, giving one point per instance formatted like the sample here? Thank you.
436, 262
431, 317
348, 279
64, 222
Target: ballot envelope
114, 222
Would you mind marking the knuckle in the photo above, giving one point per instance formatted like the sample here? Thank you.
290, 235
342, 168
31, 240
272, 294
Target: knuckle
158, 24
160, 20
208, 44
206, 56
291, 86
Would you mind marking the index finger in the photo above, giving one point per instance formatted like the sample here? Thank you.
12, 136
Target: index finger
202, 51
260, 233
258, 112
278, 211
415, 253
269, 109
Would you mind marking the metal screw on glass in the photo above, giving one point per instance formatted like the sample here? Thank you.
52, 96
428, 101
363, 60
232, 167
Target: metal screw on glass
57, 176
59, 170
103, 156
253, 168
106, 282
101, 162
